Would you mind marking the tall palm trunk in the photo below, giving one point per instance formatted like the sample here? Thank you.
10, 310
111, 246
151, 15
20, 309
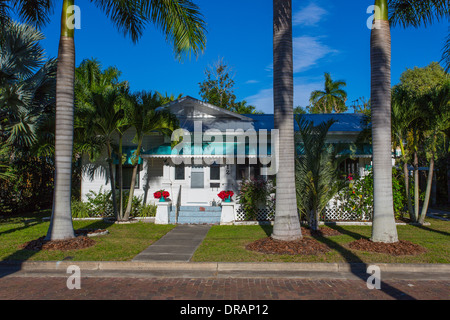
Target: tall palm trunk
287, 223
407, 190
112, 180
383, 227
120, 176
61, 226
429, 183
133, 181
416, 186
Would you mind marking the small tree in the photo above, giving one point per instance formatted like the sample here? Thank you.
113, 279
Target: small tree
217, 89
317, 174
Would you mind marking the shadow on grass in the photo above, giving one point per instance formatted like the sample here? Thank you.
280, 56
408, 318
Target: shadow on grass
357, 266
431, 230
13, 262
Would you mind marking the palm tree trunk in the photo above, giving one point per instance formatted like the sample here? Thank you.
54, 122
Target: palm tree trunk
112, 181
416, 186
133, 182
429, 184
61, 226
287, 223
408, 194
120, 178
383, 225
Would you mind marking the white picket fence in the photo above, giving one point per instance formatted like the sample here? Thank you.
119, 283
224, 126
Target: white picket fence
333, 212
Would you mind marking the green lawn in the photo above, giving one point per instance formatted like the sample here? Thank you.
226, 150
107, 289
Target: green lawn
227, 244
123, 242
222, 244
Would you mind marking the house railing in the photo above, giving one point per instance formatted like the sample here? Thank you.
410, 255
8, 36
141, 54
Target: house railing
178, 204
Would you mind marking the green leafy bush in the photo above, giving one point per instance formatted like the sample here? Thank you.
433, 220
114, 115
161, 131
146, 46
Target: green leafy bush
80, 209
253, 195
357, 196
100, 203
147, 210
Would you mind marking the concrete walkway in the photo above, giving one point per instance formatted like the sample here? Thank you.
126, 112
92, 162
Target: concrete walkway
177, 245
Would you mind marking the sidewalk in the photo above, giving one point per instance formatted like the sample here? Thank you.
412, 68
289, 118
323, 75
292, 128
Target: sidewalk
179, 244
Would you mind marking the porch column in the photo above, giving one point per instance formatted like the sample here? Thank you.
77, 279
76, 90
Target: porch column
162, 212
227, 217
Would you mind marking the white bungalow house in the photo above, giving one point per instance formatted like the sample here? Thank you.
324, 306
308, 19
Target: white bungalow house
224, 149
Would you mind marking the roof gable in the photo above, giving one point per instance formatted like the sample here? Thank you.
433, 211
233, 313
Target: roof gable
188, 107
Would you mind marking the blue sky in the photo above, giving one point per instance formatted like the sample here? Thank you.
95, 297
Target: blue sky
327, 38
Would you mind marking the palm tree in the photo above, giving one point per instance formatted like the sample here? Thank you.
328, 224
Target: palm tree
103, 119
32, 12
437, 120
415, 13
383, 226
144, 116
403, 115
26, 84
317, 172
332, 98
181, 23
287, 224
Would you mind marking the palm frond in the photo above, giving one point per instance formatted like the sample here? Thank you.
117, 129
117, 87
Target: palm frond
180, 21
415, 13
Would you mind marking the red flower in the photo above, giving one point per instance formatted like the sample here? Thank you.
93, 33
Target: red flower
161, 194
157, 194
225, 194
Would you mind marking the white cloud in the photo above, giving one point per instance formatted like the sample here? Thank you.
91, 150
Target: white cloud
309, 16
308, 51
252, 81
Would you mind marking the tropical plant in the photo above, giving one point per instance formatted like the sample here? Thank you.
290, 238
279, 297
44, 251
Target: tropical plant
437, 119
144, 114
415, 13
383, 225
331, 99
179, 20
103, 117
27, 82
253, 195
420, 108
317, 171
242, 108
287, 223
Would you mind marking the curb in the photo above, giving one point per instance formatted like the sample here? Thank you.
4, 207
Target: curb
117, 269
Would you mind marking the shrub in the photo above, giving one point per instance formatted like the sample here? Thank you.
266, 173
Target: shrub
80, 209
147, 210
100, 203
253, 195
136, 204
357, 196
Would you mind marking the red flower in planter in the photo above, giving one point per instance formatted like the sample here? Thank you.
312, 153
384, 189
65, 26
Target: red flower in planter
225, 194
161, 194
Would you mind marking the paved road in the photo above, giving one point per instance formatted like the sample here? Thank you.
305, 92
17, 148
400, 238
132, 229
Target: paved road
16, 287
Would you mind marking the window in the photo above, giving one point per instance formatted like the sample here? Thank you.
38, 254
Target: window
248, 171
179, 172
214, 173
127, 174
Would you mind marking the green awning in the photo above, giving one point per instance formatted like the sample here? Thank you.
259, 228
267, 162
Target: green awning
130, 154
